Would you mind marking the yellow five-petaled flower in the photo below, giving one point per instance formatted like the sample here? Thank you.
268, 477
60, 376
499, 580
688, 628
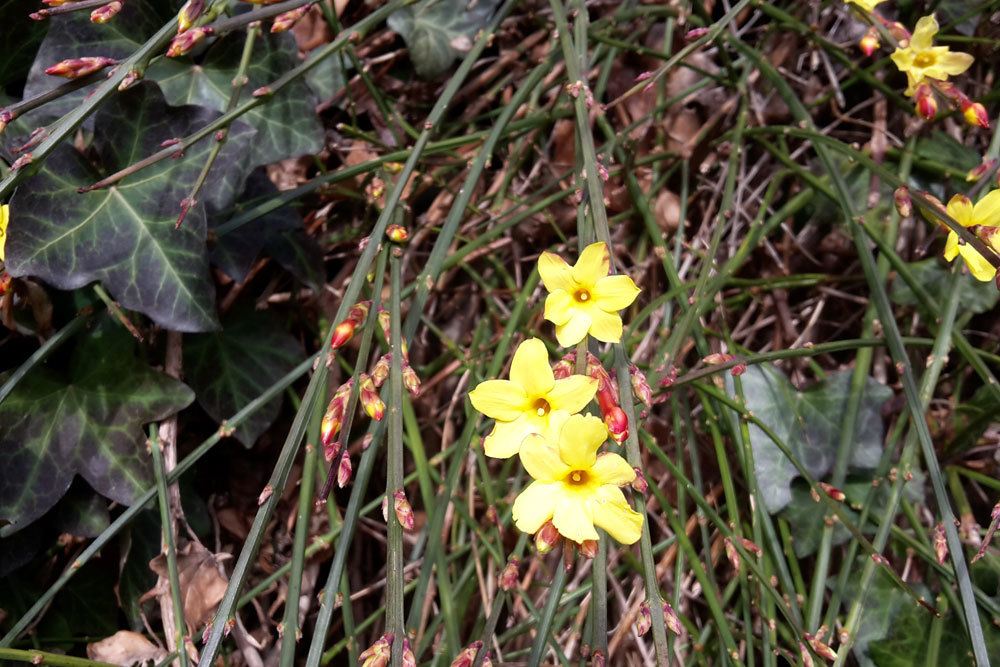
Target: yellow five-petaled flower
526, 403
985, 215
920, 59
575, 487
583, 298
4, 218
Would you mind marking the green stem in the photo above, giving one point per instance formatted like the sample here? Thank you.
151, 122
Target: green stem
545, 620
53, 659
394, 471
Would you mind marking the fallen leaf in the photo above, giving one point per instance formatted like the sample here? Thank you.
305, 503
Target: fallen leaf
202, 586
125, 648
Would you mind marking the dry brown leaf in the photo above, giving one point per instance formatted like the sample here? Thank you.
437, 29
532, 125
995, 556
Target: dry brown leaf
682, 129
564, 144
667, 210
202, 586
125, 648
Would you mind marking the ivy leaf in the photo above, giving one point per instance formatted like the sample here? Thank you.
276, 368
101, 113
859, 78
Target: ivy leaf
19, 39
232, 367
85, 422
809, 423
438, 31
286, 124
975, 296
124, 235
74, 36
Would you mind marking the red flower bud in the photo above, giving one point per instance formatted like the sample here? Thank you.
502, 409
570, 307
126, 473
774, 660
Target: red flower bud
640, 385
644, 621
563, 368
639, 484
940, 544
869, 43
822, 650
344, 470
5, 283
370, 400
980, 170
975, 114
397, 234
926, 102
588, 548
74, 68
597, 659
901, 198
379, 653
287, 21
732, 554
833, 492
187, 40
334, 415
671, 619
696, 33
345, 330
617, 423
410, 380
404, 513
385, 321
191, 10
106, 13
380, 372
332, 450
509, 578
467, 656
547, 538
718, 358
738, 370
409, 660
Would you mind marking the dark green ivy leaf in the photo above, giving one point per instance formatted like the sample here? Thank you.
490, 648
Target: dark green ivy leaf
438, 31
232, 367
286, 124
19, 38
124, 235
809, 423
934, 277
85, 422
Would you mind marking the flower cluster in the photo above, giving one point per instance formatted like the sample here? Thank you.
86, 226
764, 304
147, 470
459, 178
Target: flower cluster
538, 411
927, 67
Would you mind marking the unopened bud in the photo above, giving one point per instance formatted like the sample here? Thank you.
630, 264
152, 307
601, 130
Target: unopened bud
563, 368
509, 578
588, 548
467, 656
639, 484
334, 415
901, 198
833, 492
187, 40
5, 283
975, 114
818, 645
74, 68
286, 21
404, 513
385, 321
697, 33
718, 358
107, 12
332, 450
191, 10
410, 380
397, 234
640, 385
370, 400
130, 80
751, 546
547, 538
940, 544
380, 371
980, 170
344, 471
926, 102
617, 424
597, 659
263, 91
732, 554
409, 660
869, 44
806, 656
672, 621
345, 330
379, 653
738, 369
644, 620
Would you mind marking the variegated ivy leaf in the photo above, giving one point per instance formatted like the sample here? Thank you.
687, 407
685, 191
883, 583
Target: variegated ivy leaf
125, 235
286, 124
438, 31
87, 421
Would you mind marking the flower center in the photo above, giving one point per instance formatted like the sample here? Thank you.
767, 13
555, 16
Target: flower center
924, 59
582, 295
541, 407
577, 478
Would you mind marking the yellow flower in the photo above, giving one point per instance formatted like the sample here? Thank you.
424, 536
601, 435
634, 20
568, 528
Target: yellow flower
575, 487
4, 219
920, 59
525, 404
583, 298
985, 214
867, 5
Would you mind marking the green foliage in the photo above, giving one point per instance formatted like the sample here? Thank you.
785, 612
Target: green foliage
19, 39
809, 422
230, 368
935, 276
438, 31
86, 421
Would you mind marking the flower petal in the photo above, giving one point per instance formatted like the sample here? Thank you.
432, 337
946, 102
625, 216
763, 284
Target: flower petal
615, 292
923, 34
574, 330
558, 307
579, 440
555, 272
572, 518
903, 59
951, 246
612, 469
4, 219
534, 506
611, 512
572, 394
506, 438
987, 210
961, 210
530, 368
594, 264
500, 399
954, 62
605, 327
979, 266
541, 459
